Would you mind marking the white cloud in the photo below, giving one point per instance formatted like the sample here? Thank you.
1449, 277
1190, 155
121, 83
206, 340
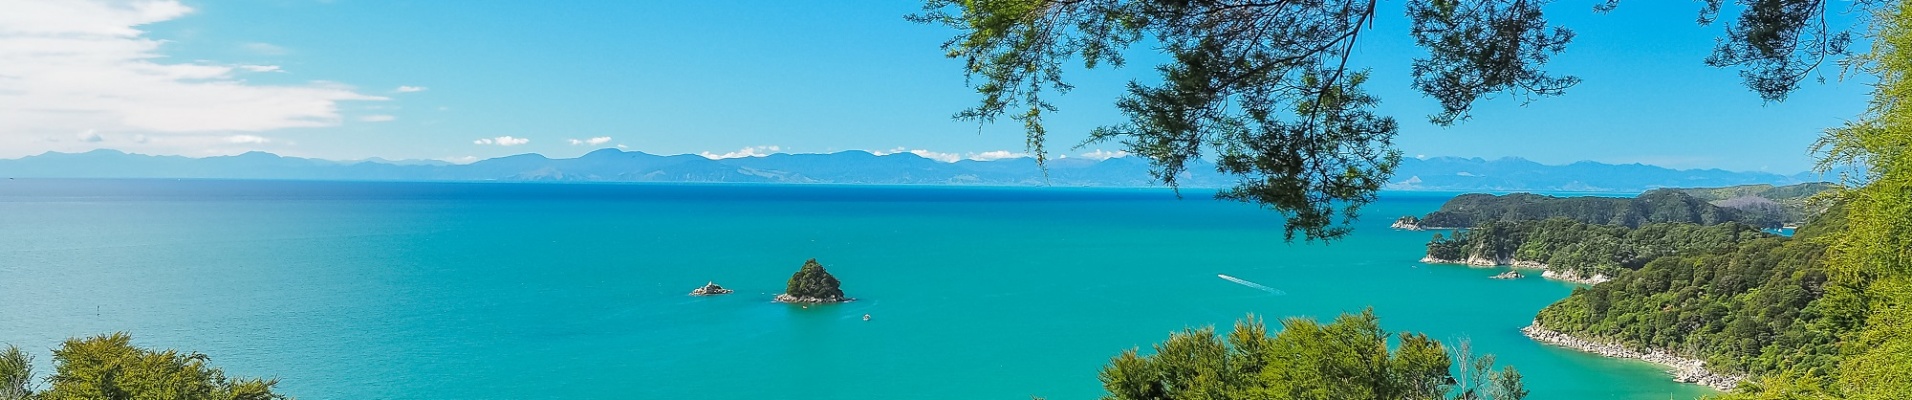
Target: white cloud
76, 65
592, 141
995, 155
502, 141
247, 139
411, 89
377, 118
953, 157
255, 47
1100, 154
944, 157
752, 151
261, 68
938, 156
91, 136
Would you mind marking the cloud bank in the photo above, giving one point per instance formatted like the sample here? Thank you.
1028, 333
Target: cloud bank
502, 141
752, 151
69, 66
1100, 154
592, 141
954, 157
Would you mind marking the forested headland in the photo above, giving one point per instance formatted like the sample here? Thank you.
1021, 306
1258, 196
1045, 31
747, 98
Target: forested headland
1755, 307
1580, 251
1763, 206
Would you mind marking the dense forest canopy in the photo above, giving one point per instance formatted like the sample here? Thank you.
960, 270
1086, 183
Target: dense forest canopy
1747, 307
1790, 204
1655, 206
1269, 89
1579, 249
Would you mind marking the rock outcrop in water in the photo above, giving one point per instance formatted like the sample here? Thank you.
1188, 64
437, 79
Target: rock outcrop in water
1685, 370
709, 289
812, 284
1407, 223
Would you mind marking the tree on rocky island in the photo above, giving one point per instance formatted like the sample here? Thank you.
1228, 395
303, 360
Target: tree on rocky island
812, 284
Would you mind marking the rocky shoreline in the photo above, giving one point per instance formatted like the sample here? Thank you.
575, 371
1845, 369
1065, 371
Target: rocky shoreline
1685, 370
1474, 261
1478, 261
787, 298
1590, 280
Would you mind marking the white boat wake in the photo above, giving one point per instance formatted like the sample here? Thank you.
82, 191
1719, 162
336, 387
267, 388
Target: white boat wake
1245, 282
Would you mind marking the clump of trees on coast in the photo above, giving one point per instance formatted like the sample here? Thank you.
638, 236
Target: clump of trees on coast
110, 367
1348, 358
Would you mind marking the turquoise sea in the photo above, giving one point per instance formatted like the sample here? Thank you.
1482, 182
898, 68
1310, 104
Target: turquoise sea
354, 290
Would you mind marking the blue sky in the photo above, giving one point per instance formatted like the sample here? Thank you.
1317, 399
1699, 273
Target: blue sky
350, 79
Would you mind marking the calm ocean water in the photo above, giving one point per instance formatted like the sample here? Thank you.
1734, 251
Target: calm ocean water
532, 291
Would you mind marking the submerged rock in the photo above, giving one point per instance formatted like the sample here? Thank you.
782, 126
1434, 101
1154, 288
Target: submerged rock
812, 284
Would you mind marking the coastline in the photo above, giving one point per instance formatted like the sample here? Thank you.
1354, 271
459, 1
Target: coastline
787, 298
1685, 370
1478, 261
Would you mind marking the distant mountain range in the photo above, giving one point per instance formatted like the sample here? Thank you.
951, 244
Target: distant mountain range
1517, 174
856, 167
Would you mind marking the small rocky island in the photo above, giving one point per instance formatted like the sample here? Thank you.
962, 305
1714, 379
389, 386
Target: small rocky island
1407, 223
709, 289
1509, 275
811, 284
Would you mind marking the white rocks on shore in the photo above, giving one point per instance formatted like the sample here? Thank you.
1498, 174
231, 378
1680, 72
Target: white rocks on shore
1685, 370
1478, 261
1590, 280
787, 298
1471, 261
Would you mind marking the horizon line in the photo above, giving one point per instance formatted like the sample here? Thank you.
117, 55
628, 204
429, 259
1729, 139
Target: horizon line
876, 153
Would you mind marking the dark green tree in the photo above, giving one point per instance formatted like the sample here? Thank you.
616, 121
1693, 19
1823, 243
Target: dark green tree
1267, 86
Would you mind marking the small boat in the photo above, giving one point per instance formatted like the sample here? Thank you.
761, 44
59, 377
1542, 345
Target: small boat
709, 289
866, 317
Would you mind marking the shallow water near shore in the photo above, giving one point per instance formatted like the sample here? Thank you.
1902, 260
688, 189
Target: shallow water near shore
349, 290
